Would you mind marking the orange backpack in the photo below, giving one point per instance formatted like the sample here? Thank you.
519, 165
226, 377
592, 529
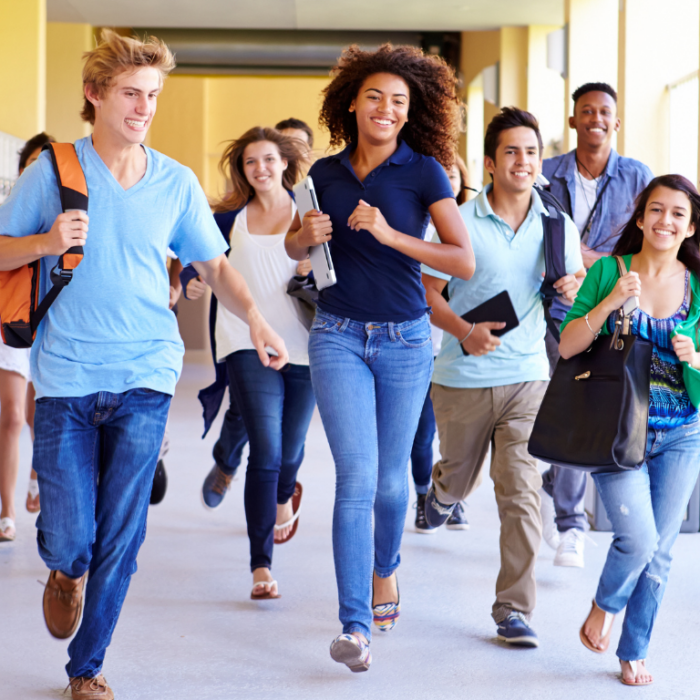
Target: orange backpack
20, 309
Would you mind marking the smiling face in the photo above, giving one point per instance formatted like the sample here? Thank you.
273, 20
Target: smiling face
381, 108
126, 108
263, 166
666, 223
518, 160
595, 119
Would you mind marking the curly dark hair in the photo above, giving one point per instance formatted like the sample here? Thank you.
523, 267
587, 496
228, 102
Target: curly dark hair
432, 127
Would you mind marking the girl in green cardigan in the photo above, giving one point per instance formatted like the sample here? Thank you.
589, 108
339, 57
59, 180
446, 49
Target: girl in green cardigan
661, 248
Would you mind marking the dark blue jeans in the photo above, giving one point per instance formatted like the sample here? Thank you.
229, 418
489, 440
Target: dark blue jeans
276, 409
95, 457
422, 450
233, 438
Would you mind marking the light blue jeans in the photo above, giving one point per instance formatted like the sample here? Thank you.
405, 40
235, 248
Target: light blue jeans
646, 508
370, 381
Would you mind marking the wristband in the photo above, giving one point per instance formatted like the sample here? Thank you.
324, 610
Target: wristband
468, 334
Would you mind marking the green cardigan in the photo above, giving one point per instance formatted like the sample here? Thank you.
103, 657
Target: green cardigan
600, 281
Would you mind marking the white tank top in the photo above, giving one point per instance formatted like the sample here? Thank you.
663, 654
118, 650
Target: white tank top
267, 269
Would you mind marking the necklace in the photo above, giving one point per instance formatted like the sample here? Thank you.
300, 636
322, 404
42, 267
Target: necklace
596, 180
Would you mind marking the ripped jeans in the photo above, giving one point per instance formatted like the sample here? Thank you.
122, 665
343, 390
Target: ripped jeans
646, 508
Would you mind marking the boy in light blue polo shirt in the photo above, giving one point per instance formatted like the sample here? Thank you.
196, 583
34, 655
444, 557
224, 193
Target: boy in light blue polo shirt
108, 354
490, 396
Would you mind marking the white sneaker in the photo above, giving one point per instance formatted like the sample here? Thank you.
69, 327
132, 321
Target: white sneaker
549, 526
570, 550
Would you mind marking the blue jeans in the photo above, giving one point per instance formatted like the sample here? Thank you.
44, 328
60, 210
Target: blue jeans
95, 457
370, 381
233, 438
276, 409
646, 509
422, 450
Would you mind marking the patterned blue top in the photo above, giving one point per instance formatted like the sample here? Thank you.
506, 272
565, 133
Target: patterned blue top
669, 403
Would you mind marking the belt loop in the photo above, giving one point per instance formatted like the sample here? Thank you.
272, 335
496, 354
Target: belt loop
392, 335
344, 325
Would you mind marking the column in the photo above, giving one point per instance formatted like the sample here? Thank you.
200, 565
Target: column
591, 50
645, 74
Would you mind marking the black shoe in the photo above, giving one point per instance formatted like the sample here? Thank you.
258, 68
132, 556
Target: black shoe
421, 523
435, 512
160, 484
458, 520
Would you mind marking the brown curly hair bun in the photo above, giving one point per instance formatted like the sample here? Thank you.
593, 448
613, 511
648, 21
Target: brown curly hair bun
432, 127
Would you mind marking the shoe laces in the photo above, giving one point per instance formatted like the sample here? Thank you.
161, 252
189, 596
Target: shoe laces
443, 510
515, 615
82, 683
420, 514
572, 540
222, 482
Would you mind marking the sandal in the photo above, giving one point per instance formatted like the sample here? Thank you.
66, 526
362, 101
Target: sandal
33, 496
294, 520
267, 594
7, 530
604, 632
633, 666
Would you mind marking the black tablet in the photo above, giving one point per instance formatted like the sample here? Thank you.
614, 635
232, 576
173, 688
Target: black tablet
498, 309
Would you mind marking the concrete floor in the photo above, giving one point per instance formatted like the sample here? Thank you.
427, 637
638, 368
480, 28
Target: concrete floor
188, 629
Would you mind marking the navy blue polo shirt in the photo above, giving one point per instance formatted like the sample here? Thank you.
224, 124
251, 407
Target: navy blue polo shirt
376, 282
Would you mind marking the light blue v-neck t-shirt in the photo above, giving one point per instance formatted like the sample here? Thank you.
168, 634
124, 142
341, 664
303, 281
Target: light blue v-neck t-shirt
110, 329
504, 261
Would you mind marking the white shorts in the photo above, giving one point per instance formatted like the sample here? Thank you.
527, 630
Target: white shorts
15, 360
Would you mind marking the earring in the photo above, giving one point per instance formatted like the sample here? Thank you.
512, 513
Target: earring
640, 226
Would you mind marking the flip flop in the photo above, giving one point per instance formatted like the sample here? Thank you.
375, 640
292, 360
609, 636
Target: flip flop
267, 595
633, 666
294, 520
33, 503
7, 530
604, 632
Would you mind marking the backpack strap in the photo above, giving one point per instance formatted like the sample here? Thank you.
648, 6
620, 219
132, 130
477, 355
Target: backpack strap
73, 191
554, 263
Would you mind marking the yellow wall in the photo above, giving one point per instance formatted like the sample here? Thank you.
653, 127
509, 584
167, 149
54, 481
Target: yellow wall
238, 103
65, 45
22, 67
514, 67
644, 105
197, 115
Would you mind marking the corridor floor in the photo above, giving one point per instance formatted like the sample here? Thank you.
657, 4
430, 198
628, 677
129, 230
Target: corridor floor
190, 631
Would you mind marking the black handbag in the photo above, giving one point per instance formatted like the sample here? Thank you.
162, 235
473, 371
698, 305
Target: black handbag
595, 413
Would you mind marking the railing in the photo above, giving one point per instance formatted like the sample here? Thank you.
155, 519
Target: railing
10, 147
684, 127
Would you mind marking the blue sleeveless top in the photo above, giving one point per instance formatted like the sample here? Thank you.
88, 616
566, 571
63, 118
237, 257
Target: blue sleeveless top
669, 403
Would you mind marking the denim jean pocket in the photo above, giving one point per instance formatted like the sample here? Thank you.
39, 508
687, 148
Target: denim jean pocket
415, 336
320, 325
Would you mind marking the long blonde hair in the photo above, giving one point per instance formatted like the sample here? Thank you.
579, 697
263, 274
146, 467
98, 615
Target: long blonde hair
231, 165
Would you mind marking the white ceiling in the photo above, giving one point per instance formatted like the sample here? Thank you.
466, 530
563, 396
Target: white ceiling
408, 15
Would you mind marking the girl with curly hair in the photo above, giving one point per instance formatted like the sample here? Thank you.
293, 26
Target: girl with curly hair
370, 354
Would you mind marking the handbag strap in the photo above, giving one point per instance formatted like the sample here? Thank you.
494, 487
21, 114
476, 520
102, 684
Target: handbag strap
625, 318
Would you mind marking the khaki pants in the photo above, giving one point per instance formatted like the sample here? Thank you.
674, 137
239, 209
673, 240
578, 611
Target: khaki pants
468, 421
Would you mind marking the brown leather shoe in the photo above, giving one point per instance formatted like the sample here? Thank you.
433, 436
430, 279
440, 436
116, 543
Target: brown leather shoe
90, 688
63, 606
